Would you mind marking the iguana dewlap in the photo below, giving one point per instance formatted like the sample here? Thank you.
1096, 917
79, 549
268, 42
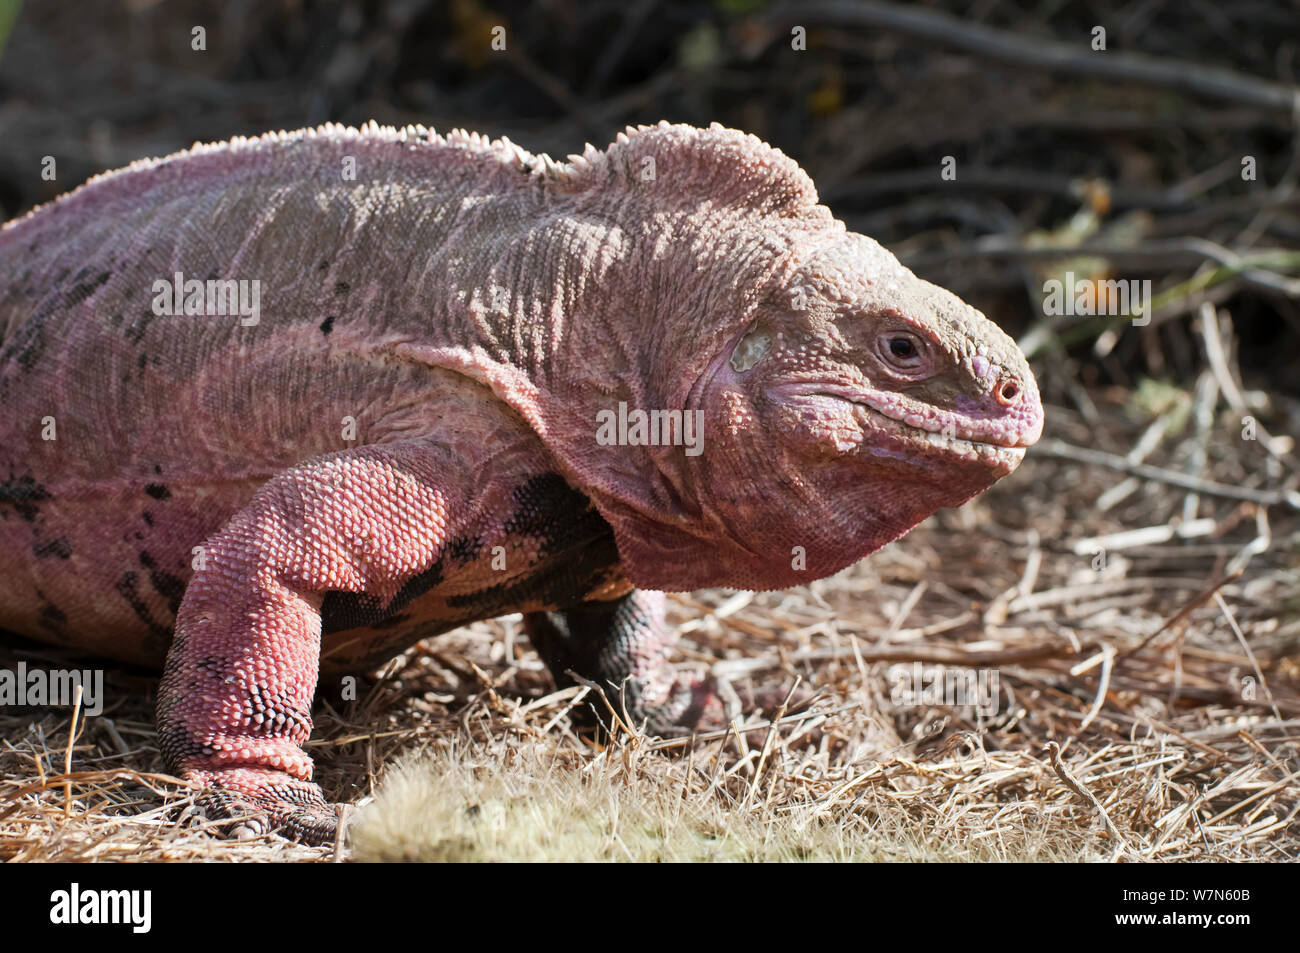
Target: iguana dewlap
424, 412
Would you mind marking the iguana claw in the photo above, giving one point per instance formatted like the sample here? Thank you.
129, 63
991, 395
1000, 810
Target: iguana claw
254, 802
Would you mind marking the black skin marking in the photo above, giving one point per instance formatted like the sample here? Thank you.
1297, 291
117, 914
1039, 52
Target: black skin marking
158, 491
24, 493
324, 263
60, 548
327, 325
28, 345
53, 620
127, 587
554, 513
417, 586
373, 653
31, 354
342, 287
84, 289
340, 611
170, 587
148, 518
560, 581
464, 549
392, 622
576, 548
563, 581
142, 360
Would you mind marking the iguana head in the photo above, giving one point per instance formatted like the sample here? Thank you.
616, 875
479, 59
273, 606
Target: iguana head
842, 399
866, 398
858, 356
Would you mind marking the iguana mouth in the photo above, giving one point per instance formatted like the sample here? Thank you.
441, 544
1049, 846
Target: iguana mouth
942, 428
948, 433
999, 455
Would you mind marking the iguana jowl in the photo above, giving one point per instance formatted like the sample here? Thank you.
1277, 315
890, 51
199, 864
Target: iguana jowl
404, 440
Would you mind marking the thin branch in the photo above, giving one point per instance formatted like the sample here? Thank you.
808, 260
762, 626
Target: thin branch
1039, 52
1111, 461
1054, 753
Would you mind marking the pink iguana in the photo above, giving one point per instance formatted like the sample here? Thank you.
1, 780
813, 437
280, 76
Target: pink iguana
294, 403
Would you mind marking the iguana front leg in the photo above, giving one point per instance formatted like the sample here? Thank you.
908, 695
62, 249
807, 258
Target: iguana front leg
623, 646
234, 705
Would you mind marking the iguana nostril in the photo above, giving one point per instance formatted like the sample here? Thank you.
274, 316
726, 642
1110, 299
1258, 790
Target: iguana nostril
1008, 393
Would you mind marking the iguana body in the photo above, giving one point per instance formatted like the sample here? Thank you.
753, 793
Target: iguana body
406, 439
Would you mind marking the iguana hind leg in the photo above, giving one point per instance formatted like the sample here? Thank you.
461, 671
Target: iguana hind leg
623, 646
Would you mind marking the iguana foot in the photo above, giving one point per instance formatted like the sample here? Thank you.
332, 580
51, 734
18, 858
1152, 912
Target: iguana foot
257, 801
622, 646
690, 705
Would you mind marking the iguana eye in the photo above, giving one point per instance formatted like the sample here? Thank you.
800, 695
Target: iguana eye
751, 348
901, 348
901, 351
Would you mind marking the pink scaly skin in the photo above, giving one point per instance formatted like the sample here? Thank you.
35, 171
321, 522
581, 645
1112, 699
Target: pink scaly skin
406, 439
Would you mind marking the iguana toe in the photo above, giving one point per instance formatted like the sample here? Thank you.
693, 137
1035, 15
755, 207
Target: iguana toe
257, 802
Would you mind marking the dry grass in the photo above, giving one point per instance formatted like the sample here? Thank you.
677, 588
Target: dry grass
529, 801
1134, 669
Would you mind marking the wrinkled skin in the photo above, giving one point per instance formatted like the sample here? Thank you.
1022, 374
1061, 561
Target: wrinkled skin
471, 310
